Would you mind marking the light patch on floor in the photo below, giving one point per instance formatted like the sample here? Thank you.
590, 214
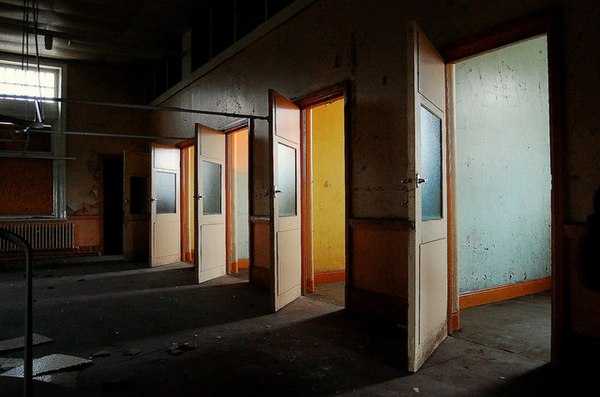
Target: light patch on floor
49, 364
18, 343
520, 325
330, 293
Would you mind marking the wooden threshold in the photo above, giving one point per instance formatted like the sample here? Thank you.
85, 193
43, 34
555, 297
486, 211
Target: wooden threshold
483, 297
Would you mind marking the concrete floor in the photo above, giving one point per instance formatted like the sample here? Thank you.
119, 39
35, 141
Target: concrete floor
309, 348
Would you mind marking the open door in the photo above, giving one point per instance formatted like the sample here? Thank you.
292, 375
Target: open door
136, 205
165, 237
211, 256
286, 255
427, 265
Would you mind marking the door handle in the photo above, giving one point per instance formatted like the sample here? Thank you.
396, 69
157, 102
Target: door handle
276, 192
420, 180
151, 199
198, 196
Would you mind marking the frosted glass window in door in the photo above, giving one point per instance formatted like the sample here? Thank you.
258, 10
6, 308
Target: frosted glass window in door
431, 166
166, 192
286, 180
211, 188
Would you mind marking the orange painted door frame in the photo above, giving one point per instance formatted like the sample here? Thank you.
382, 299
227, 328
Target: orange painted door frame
335, 92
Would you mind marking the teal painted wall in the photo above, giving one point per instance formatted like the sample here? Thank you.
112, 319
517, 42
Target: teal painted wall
503, 167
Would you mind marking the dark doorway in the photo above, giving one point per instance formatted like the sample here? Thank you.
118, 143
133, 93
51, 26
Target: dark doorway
112, 215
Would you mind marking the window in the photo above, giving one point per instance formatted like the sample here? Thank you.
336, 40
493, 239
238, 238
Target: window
32, 165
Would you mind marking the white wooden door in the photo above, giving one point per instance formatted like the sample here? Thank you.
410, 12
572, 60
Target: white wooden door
284, 138
210, 259
427, 269
165, 244
136, 205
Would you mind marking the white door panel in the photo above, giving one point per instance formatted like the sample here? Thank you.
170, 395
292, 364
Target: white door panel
211, 258
285, 201
434, 287
427, 267
165, 243
289, 260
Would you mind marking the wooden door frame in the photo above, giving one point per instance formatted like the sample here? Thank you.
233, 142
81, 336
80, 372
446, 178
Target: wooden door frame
547, 24
321, 97
184, 197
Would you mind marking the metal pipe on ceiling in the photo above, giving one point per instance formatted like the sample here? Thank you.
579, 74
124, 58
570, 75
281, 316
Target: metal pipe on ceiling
33, 155
110, 135
133, 106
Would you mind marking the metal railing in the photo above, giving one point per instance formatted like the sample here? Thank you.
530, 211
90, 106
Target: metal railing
28, 364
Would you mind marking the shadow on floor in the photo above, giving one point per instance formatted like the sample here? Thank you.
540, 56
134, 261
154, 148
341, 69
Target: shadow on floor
237, 346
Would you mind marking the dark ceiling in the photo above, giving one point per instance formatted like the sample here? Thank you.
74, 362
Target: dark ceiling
108, 30
125, 30
134, 32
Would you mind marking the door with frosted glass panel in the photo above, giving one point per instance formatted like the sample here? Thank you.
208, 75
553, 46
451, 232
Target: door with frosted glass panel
284, 138
165, 246
427, 268
210, 259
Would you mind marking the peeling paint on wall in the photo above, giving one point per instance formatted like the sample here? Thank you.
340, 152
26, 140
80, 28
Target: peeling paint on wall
503, 167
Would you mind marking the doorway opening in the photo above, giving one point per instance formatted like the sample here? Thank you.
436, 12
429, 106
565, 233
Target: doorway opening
188, 213
238, 221
324, 198
502, 197
112, 205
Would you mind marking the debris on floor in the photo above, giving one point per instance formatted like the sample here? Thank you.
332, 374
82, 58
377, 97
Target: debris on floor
131, 352
49, 364
19, 343
98, 354
178, 348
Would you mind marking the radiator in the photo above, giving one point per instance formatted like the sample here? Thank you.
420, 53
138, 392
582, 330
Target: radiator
41, 236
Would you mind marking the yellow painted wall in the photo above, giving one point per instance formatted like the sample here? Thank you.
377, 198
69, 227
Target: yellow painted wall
328, 188
189, 154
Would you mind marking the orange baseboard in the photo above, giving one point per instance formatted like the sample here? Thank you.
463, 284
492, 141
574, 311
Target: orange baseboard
330, 277
241, 264
483, 297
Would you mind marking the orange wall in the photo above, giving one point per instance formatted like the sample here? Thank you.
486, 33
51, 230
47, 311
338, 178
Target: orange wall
328, 186
239, 188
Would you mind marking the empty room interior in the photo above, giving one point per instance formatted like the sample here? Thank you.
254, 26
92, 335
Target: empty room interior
299, 197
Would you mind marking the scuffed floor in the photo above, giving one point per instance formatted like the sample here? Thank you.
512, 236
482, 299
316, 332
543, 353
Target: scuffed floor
154, 332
